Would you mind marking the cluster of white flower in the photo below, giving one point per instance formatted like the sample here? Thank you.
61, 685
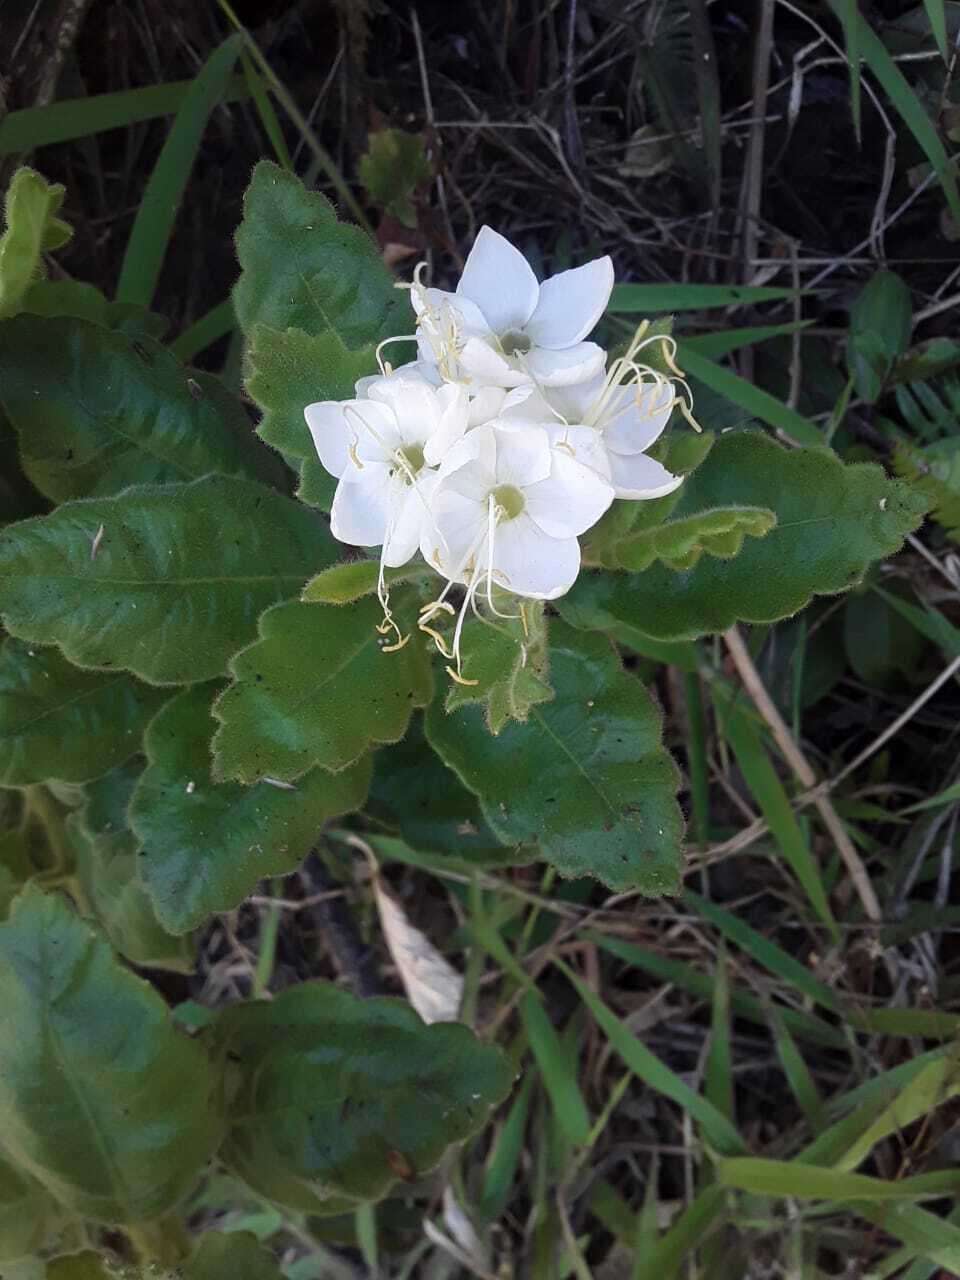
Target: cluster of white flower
505, 440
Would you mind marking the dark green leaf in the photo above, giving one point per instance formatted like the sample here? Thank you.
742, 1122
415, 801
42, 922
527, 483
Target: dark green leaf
394, 165
236, 1255
881, 643
317, 689
303, 269
97, 411
586, 775
832, 522
101, 1098
880, 325
57, 721
166, 581
84, 302
27, 1214
205, 845
335, 1097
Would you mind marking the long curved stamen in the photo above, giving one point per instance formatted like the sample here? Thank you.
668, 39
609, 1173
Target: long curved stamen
385, 368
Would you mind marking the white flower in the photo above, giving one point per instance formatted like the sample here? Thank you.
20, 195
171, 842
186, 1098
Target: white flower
507, 509
503, 328
608, 424
382, 448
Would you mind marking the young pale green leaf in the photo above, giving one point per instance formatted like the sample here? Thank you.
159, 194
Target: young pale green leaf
31, 206
354, 579
57, 721
833, 520
204, 845
106, 856
586, 774
163, 580
679, 544
234, 1255
416, 792
101, 1098
303, 269
28, 1216
97, 410
316, 688
334, 1097
394, 165
508, 659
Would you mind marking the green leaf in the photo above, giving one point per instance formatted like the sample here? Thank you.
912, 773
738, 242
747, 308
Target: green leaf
881, 644
302, 269
28, 1216
172, 585
934, 472
416, 792
807, 1182
160, 203
756, 402
679, 544
31, 206
101, 1098
394, 165
204, 846
280, 717
832, 522
881, 322
508, 659
352, 580
106, 852
57, 721
234, 1255
84, 302
334, 1097
286, 372
97, 411
641, 299
586, 774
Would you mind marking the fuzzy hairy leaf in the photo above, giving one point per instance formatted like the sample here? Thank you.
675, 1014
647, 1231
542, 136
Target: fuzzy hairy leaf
679, 544
509, 661
335, 1097
234, 1255
586, 774
57, 721
96, 411
833, 520
164, 580
106, 854
316, 689
393, 167
204, 845
85, 302
32, 228
354, 579
934, 472
102, 1100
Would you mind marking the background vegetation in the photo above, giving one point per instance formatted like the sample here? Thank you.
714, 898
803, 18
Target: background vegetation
779, 175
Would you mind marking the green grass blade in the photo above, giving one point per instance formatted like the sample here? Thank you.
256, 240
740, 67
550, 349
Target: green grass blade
268, 117
929, 1236
689, 1231
80, 117
767, 789
849, 16
937, 13
644, 299
717, 1129
718, 1075
560, 1084
798, 1075
911, 109
719, 344
797, 1181
505, 1160
765, 952
757, 403
203, 333
161, 200
697, 763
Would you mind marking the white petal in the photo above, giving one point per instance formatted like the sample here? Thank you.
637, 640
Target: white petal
570, 304
638, 476
410, 512
452, 412
485, 403
413, 404
529, 563
374, 434
359, 512
585, 444
526, 405
561, 368
331, 434
637, 416
498, 278
437, 306
456, 533
483, 365
412, 371
523, 456
470, 465
570, 501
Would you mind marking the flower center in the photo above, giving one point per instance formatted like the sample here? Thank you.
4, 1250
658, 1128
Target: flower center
409, 460
515, 343
509, 500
